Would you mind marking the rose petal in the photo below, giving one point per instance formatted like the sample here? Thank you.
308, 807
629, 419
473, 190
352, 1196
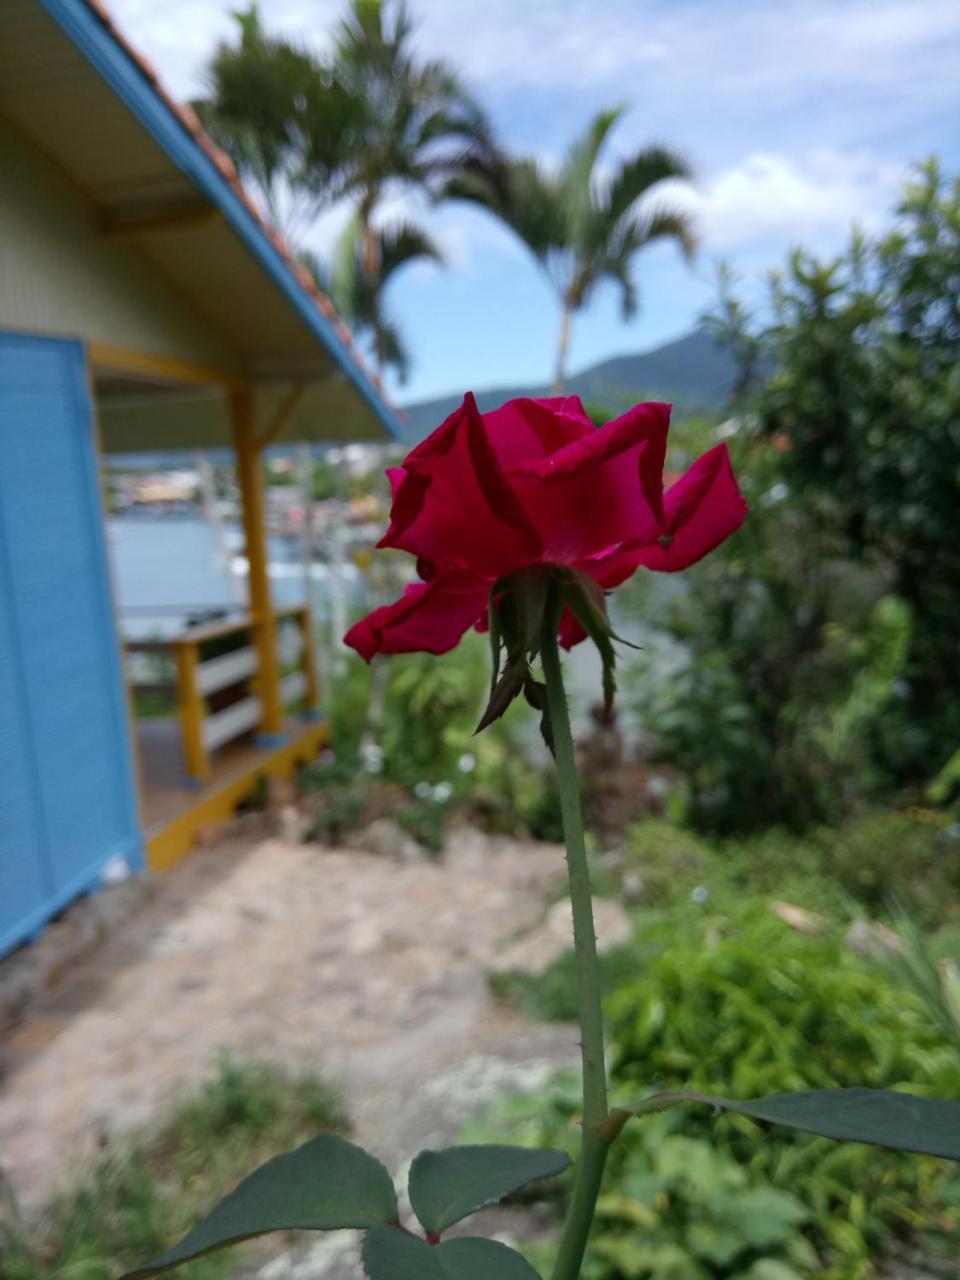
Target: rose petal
570, 631
702, 509
614, 566
600, 490
430, 617
452, 504
526, 428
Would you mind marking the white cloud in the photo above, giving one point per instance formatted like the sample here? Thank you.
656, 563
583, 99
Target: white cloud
770, 197
625, 47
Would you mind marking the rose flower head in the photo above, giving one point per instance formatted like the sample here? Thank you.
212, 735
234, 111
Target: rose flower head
530, 512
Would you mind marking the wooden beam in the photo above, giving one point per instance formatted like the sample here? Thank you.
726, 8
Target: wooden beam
250, 477
122, 224
282, 414
102, 357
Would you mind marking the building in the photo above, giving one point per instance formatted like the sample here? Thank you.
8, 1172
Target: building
144, 306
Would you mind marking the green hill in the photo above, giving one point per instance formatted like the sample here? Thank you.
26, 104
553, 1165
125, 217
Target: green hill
693, 372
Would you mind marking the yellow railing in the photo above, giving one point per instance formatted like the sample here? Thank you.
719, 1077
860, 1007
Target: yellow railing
221, 696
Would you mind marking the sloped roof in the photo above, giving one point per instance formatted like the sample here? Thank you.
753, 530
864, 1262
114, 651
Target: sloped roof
74, 85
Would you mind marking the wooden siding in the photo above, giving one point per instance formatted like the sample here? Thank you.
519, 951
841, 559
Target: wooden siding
59, 275
67, 800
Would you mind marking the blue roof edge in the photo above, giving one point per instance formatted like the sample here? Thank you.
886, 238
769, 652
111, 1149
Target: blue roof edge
130, 83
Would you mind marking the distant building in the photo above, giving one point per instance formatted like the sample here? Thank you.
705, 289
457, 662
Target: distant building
144, 307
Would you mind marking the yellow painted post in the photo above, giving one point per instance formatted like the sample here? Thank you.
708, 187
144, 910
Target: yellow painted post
308, 659
191, 710
250, 476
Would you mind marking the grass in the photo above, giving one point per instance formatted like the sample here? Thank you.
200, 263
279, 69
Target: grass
149, 1189
551, 996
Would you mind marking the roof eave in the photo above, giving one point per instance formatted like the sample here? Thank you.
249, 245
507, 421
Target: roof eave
131, 81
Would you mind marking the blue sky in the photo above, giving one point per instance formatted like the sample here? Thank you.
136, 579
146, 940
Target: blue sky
799, 118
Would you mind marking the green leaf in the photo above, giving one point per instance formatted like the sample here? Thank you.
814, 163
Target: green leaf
394, 1255
583, 606
530, 590
509, 686
900, 1121
446, 1186
324, 1185
496, 642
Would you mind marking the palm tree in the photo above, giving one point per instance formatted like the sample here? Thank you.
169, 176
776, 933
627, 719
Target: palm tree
265, 97
358, 295
584, 228
365, 122
414, 125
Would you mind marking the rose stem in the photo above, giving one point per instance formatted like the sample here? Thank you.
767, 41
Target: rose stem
593, 1150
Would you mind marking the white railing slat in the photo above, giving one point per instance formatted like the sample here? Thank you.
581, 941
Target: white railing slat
289, 644
293, 688
227, 669
231, 722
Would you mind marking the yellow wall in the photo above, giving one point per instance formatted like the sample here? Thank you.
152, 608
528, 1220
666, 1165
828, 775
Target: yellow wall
60, 276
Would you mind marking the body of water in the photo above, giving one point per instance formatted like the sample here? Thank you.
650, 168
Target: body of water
172, 566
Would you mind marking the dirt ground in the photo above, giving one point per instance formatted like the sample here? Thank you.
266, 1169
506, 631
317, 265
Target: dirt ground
368, 969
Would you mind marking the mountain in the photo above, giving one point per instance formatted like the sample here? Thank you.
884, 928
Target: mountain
694, 373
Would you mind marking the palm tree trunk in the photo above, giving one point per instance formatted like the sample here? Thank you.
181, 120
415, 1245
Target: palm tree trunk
563, 342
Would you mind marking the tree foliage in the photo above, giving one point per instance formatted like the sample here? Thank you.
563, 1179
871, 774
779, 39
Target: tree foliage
824, 641
371, 116
583, 227
865, 392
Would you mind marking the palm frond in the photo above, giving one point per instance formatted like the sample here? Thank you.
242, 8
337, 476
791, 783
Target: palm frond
402, 243
394, 351
635, 177
576, 181
318, 268
618, 270
582, 157
646, 226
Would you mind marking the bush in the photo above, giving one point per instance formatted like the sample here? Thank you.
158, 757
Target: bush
428, 763
869, 863
664, 858
895, 854
738, 1004
912, 857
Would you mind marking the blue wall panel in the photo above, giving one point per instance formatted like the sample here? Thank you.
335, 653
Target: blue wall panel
25, 880
70, 729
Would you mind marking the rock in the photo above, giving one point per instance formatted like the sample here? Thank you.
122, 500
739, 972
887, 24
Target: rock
469, 845
281, 793
870, 938
387, 839
538, 950
798, 918
210, 835
289, 824
365, 937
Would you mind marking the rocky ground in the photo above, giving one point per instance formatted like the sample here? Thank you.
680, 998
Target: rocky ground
368, 967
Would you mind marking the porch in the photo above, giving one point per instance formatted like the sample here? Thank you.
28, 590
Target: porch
220, 699
198, 696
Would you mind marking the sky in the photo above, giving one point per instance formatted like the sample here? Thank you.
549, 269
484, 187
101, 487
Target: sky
799, 119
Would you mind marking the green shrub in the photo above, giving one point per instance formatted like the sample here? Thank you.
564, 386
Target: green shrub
428, 761
665, 858
739, 1004
868, 862
890, 854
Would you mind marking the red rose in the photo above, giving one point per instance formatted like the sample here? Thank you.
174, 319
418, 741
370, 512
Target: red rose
534, 483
